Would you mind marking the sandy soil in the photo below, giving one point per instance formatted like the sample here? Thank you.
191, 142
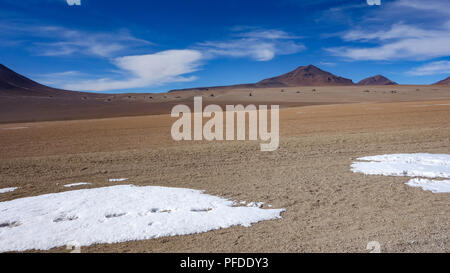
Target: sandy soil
328, 208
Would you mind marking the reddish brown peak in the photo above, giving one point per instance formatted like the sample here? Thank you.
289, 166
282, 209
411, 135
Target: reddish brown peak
306, 76
444, 81
309, 67
376, 80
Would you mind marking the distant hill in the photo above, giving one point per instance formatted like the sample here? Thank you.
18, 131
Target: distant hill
444, 82
24, 100
309, 75
377, 80
14, 84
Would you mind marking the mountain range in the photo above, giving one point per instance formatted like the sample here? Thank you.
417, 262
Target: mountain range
14, 84
309, 75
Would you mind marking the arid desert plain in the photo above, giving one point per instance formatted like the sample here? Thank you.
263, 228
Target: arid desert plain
328, 208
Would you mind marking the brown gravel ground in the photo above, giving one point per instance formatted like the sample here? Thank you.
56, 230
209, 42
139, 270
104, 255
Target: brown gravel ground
328, 208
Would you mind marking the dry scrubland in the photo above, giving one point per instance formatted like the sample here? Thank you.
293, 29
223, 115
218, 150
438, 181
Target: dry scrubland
328, 208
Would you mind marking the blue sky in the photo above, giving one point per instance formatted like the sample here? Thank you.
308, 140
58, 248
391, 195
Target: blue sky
154, 46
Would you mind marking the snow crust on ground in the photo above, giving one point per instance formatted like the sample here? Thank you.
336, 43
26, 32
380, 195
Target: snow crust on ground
14, 128
117, 214
117, 179
76, 184
420, 165
435, 186
5, 190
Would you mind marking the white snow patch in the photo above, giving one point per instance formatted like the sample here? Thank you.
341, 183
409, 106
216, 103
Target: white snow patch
423, 165
255, 204
76, 184
14, 128
412, 165
117, 179
5, 190
117, 214
435, 186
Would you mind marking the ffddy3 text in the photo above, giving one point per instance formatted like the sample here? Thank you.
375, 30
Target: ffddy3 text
228, 262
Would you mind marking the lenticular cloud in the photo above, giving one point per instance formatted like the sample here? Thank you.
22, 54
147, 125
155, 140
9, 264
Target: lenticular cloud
412, 165
117, 214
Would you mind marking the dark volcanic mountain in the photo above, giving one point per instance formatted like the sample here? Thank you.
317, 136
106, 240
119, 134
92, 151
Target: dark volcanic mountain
376, 80
24, 100
305, 76
14, 84
444, 82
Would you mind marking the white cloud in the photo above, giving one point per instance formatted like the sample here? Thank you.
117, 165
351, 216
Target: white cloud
440, 6
160, 68
61, 41
399, 42
272, 34
241, 48
396, 31
146, 70
260, 45
79, 42
59, 78
433, 68
74, 2
327, 63
400, 29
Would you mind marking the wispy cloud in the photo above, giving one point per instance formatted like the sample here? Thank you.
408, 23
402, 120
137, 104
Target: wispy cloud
439, 6
327, 63
80, 42
260, 45
433, 68
402, 29
396, 31
398, 42
61, 41
146, 70
149, 70
59, 78
268, 34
